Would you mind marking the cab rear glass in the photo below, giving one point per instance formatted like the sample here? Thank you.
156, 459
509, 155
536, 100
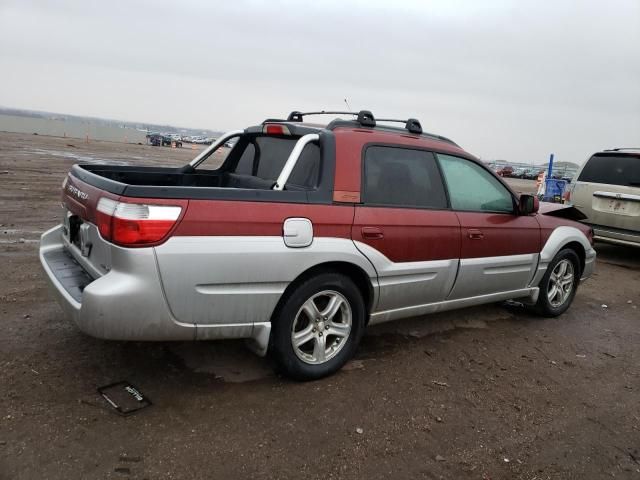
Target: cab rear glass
612, 169
265, 156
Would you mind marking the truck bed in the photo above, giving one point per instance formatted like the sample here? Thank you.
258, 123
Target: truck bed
171, 182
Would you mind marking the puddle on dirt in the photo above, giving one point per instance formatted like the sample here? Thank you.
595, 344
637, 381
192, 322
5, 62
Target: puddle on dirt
232, 362
77, 157
15, 242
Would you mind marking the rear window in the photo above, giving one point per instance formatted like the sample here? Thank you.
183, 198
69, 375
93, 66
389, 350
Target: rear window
612, 170
265, 157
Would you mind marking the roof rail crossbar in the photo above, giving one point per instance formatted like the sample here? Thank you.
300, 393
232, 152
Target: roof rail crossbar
411, 124
363, 117
366, 118
296, 116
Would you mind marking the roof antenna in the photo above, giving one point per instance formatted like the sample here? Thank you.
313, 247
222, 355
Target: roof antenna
348, 106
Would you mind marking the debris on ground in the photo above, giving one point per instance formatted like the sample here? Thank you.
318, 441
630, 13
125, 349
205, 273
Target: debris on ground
124, 397
354, 365
439, 458
126, 458
440, 384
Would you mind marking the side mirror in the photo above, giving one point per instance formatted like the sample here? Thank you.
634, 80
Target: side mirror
528, 204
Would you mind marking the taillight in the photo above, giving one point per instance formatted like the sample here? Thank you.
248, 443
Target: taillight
135, 224
275, 129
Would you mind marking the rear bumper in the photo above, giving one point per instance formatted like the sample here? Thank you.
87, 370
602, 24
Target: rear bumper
128, 302
616, 236
55, 260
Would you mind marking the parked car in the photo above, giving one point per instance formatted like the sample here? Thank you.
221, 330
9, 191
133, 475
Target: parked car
170, 139
518, 172
607, 191
160, 140
505, 171
532, 174
154, 139
303, 237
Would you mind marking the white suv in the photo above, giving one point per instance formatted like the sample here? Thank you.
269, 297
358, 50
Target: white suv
607, 191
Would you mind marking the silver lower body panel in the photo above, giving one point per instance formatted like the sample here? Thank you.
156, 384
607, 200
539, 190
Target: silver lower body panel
127, 302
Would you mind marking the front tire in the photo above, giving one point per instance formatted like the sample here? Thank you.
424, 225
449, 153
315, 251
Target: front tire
318, 327
559, 284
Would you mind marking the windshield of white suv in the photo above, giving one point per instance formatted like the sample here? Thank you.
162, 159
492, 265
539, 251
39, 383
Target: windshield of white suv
612, 169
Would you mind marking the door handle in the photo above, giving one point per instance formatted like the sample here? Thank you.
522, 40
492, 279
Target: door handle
475, 234
372, 233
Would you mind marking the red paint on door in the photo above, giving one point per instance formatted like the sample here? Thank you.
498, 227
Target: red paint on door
407, 234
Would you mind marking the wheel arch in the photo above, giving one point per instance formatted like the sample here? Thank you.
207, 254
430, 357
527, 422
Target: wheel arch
580, 251
562, 237
351, 270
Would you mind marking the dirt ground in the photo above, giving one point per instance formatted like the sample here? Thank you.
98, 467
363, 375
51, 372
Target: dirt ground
484, 393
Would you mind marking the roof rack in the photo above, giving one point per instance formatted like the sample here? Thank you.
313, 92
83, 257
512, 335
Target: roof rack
363, 117
621, 149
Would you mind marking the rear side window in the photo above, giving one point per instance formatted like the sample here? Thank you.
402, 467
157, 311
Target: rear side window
402, 177
612, 170
245, 164
472, 188
265, 156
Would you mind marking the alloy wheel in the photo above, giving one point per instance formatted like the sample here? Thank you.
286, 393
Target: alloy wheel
560, 283
321, 327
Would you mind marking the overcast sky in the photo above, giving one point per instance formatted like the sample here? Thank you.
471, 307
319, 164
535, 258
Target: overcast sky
505, 79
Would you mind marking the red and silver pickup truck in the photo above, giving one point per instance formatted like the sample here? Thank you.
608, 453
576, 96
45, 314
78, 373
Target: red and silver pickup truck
303, 236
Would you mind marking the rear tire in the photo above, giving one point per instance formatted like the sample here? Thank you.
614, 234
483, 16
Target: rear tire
318, 327
559, 284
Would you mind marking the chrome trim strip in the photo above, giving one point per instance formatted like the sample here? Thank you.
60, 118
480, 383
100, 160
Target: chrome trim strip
604, 233
617, 241
214, 146
617, 196
262, 288
293, 159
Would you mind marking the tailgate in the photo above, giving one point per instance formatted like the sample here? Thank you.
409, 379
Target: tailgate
83, 241
613, 206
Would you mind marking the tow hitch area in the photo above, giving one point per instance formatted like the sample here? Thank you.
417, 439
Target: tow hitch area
124, 397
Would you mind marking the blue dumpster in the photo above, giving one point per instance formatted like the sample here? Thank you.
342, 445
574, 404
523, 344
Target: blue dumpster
554, 188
